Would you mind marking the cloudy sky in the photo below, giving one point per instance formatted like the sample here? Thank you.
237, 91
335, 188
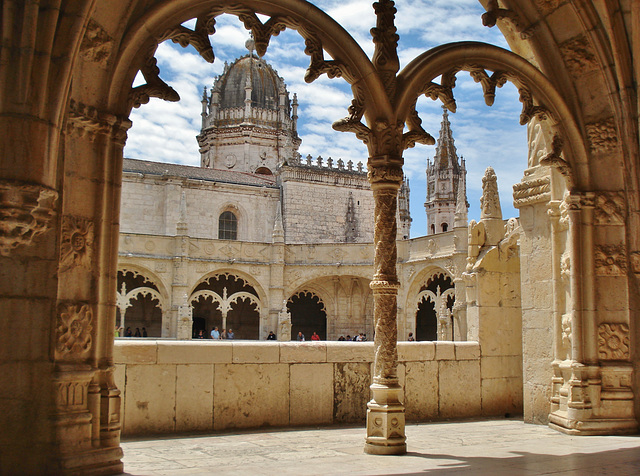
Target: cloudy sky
484, 136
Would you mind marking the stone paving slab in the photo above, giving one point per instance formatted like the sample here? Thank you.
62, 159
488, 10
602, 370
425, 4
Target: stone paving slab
493, 447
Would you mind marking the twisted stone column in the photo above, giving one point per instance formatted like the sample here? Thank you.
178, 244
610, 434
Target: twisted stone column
385, 413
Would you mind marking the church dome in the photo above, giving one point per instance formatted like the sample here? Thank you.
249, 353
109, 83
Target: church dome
250, 71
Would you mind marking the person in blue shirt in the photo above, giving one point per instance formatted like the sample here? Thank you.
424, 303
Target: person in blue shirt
215, 334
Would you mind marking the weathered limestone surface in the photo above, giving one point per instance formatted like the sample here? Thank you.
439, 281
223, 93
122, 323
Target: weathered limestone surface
283, 383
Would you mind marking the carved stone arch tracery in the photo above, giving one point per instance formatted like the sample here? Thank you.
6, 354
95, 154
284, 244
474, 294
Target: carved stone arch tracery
539, 97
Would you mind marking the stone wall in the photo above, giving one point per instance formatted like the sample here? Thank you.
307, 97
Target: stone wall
179, 387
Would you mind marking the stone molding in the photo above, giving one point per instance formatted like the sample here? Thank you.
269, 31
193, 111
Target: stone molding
26, 211
613, 341
530, 192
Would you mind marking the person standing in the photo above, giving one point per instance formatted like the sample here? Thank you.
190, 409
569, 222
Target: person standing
411, 339
315, 336
230, 334
215, 333
271, 336
300, 337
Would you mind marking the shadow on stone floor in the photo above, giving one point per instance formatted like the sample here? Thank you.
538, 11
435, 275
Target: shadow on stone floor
614, 462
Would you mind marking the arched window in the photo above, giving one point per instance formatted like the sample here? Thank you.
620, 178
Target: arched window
227, 226
433, 229
444, 227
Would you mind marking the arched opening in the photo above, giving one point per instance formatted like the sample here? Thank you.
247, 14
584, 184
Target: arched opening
139, 306
227, 226
228, 302
308, 315
432, 295
444, 227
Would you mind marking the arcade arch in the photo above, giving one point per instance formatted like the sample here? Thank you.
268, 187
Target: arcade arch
226, 301
141, 304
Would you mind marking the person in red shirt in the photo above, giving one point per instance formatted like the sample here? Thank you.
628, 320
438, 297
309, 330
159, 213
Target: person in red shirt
315, 336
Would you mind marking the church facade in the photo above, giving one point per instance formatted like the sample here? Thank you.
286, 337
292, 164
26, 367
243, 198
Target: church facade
259, 239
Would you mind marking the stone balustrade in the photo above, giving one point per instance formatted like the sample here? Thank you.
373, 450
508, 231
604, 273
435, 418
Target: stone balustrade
185, 386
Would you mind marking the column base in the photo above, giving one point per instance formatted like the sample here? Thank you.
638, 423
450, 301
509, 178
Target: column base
594, 427
99, 461
385, 422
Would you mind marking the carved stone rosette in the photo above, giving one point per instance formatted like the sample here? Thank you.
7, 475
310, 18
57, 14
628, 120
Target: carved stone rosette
613, 341
73, 329
76, 244
26, 211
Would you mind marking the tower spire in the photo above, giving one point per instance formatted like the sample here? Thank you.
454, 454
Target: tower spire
445, 177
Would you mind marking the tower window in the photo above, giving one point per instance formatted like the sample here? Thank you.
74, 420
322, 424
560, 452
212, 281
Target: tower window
227, 226
444, 227
433, 229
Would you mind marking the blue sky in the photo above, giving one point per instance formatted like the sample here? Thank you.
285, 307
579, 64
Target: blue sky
485, 136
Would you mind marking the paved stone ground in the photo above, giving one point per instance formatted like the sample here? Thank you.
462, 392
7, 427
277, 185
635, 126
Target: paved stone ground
488, 447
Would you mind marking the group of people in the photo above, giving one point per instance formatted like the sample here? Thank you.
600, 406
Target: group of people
362, 337
216, 334
129, 333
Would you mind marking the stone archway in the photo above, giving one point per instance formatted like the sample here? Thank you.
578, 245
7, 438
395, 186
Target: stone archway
435, 300
62, 157
308, 315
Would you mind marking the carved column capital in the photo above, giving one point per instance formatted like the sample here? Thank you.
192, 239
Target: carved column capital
26, 211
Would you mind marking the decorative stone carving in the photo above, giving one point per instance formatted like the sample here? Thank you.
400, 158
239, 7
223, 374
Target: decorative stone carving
154, 87
565, 266
73, 330
602, 135
613, 341
70, 395
495, 13
547, 6
432, 247
490, 200
610, 208
89, 121
634, 258
26, 211
284, 323
567, 333
96, 44
555, 159
76, 246
610, 260
530, 192
198, 38
537, 142
579, 56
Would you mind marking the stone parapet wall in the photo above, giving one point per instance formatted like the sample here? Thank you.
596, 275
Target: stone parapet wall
178, 387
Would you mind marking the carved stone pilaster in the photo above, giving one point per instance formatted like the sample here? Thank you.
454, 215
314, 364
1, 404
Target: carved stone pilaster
26, 211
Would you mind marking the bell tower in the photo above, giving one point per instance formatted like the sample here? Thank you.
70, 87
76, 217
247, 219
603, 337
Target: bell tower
443, 179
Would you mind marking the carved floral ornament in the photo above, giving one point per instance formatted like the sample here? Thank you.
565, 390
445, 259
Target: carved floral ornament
613, 341
73, 330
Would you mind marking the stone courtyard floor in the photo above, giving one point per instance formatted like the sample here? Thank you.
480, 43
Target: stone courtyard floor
487, 447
